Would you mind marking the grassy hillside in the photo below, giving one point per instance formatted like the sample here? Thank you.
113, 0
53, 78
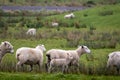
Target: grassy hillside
100, 17
57, 2
98, 28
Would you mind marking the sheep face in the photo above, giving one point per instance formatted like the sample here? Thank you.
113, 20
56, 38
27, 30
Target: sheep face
69, 56
42, 47
7, 46
85, 49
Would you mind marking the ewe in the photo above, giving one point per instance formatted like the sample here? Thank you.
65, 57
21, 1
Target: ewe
5, 47
114, 60
55, 24
60, 63
30, 56
68, 16
31, 31
58, 53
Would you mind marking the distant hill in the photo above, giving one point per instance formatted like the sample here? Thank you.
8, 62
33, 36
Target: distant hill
57, 2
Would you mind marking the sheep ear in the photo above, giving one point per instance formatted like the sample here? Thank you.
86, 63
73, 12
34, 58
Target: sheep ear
2, 42
5, 43
82, 46
42, 45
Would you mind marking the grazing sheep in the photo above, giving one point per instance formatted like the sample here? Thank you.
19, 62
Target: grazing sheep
114, 60
55, 24
30, 56
31, 31
5, 47
64, 62
58, 53
68, 16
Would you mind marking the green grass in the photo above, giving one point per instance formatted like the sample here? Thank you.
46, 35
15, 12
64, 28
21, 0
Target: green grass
57, 76
93, 18
108, 23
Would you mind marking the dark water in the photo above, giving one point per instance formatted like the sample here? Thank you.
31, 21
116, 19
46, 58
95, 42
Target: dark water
39, 8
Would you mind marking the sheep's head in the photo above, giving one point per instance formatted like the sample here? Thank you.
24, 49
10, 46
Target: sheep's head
7, 47
42, 47
69, 56
85, 49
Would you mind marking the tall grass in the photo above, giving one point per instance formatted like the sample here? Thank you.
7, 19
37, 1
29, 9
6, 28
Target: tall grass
58, 76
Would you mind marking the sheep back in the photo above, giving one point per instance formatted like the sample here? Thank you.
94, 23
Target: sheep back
29, 55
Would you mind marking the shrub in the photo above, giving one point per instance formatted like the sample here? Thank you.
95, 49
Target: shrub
73, 38
105, 13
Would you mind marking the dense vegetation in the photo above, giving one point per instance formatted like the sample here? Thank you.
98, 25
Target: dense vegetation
58, 2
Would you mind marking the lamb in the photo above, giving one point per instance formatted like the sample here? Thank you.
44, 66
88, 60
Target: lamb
30, 56
58, 53
64, 62
68, 16
31, 31
114, 60
55, 24
5, 47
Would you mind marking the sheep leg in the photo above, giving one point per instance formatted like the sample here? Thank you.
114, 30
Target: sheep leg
31, 68
63, 69
0, 59
77, 67
66, 68
19, 64
46, 67
50, 69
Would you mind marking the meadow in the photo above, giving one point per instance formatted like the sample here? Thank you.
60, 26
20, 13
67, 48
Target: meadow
98, 28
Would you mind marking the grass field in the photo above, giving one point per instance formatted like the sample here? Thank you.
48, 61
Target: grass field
58, 76
99, 37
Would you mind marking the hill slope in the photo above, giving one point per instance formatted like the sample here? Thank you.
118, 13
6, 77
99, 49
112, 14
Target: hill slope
100, 17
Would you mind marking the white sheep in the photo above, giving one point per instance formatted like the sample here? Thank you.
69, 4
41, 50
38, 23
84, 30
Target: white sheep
30, 56
114, 60
58, 53
31, 31
55, 24
63, 63
5, 47
71, 15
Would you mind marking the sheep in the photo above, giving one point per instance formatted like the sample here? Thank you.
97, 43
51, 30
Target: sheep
68, 16
114, 60
64, 62
5, 47
31, 31
30, 56
58, 53
55, 24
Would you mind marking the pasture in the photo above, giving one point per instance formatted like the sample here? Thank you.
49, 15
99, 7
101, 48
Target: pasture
94, 28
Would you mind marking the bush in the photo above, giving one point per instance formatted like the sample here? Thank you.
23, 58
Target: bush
105, 13
73, 38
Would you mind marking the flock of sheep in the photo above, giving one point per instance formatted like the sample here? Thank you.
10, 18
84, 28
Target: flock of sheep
32, 31
55, 57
